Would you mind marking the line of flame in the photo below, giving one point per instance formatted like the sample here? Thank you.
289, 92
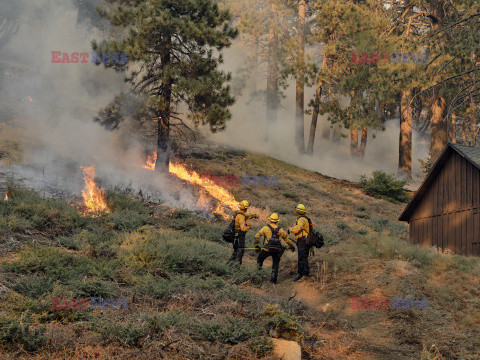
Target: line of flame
216, 191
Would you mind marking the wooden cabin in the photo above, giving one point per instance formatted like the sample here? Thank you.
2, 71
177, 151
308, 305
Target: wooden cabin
445, 210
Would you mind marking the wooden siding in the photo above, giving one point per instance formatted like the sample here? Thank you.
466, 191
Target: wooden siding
448, 215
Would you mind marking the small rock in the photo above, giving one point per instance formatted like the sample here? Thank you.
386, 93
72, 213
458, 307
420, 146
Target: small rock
287, 350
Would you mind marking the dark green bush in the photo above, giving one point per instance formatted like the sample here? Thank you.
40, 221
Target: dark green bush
261, 346
129, 220
35, 286
13, 333
129, 334
91, 288
281, 321
342, 225
69, 243
385, 186
183, 224
56, 264
26, 209
228, 331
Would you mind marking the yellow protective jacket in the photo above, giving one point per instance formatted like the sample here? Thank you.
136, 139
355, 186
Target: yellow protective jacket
301, 228
240, 222
267, 234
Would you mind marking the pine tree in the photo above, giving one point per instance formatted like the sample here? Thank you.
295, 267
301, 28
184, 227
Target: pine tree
174, 50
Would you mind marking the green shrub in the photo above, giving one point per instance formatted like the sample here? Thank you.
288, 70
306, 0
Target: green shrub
13, 333
342, 225
228, 331
129, 220
207, 231
281, 321
362, 215
122, 202
290, 196
59, 265
183, 224
385, 186
175, 252
69, 243
129, 334
379, 224
261, 346
26, 209
35, 286
91, 288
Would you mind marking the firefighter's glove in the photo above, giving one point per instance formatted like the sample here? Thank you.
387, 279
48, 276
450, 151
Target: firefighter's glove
258, 249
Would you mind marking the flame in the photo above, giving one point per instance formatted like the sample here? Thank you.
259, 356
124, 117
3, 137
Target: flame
151, 159
93, 196
6, 196
216, 191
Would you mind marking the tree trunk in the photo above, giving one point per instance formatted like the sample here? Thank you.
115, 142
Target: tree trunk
472, 128
438, 126
452, 130
316, 108
405, 141
313, 125
272, 73
464, 131
363, 142
300, 89
337, 134
253, 78
438, 136
354, 142
163, 127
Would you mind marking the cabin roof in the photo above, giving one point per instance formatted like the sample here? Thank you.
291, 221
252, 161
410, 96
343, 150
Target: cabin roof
470, 153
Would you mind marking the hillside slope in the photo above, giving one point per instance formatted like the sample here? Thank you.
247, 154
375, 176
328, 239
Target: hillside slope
184, 302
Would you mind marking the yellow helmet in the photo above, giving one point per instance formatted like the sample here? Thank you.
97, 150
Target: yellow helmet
244, 205
273, 218
301, 209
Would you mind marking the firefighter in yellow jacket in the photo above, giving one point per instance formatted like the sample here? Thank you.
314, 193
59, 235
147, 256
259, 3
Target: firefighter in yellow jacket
241, 228
300, 230
272, 245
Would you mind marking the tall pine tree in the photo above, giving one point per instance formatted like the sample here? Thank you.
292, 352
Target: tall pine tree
174, 51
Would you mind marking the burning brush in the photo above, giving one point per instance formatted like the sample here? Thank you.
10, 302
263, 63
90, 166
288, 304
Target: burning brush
94, 198
219, 193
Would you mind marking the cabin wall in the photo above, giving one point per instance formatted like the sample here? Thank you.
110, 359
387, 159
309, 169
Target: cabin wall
448, 216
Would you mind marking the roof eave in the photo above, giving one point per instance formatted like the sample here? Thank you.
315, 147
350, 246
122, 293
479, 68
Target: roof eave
405, 216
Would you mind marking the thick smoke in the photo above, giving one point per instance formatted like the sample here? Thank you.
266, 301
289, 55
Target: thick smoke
53, 104
59, 135
247, 130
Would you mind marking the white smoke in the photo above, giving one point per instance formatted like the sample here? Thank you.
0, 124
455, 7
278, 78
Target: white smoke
57, 126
